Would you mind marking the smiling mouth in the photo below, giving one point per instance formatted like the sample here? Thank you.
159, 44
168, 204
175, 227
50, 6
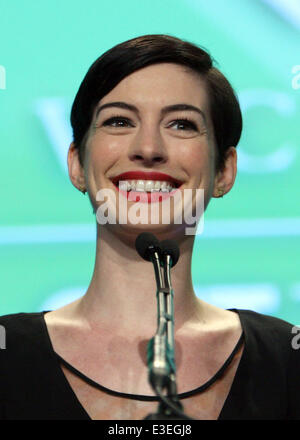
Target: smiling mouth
146, 181
146, 187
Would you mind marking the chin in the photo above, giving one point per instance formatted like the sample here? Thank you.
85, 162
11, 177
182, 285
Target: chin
129, 232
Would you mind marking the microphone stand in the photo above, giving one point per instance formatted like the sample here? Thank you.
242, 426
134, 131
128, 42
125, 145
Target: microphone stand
161, 348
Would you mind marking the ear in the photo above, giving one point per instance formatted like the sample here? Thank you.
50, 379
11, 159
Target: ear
76, 171
225, 179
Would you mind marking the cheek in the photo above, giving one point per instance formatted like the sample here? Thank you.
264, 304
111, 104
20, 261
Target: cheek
102, 153
198, 159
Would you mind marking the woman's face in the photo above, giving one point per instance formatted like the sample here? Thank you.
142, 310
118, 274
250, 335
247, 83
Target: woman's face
155, 120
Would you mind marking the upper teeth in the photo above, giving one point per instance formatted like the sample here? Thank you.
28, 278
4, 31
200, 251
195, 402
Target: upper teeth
145, 185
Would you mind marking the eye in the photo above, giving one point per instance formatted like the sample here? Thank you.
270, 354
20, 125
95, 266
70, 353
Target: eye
184, 124
118, 121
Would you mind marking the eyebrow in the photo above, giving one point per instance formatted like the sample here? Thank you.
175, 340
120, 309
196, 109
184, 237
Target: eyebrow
164, 110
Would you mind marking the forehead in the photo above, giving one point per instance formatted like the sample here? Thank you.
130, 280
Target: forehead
161, 84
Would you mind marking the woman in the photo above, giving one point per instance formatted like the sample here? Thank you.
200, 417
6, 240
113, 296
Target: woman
151, 109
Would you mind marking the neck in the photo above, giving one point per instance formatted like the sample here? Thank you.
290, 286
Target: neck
123, 288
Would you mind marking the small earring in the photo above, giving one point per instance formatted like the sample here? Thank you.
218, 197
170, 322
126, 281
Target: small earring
220, 192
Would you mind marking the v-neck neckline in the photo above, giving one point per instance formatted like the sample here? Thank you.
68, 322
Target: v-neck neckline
58, 360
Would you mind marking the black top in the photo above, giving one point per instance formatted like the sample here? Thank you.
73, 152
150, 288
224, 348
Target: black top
266, 385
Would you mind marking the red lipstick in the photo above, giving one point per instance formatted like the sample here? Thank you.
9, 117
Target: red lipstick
144, 175
144, 197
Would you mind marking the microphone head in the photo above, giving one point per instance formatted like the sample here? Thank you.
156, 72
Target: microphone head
145, 244
170, 247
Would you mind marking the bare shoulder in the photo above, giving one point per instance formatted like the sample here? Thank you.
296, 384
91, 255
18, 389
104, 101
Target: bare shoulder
211, 328
214, 320
64, 316
225, 325
65, 327
223, 319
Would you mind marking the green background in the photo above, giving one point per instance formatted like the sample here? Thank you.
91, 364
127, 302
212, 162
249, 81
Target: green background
248, 256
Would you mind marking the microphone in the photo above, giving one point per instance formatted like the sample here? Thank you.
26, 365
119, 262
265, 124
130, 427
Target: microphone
170, 256
170, 247
160, 350
146, 245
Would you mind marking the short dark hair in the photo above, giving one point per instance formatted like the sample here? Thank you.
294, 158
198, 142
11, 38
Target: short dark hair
127, 57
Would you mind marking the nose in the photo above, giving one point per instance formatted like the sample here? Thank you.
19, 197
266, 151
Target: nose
148, 147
